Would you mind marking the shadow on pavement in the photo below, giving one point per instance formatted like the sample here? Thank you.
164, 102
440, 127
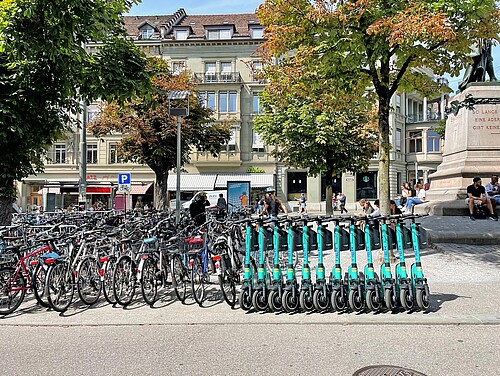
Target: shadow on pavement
437, 299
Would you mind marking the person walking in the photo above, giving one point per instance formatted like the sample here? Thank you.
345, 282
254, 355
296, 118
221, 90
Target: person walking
272, 204
342, 199
302, 204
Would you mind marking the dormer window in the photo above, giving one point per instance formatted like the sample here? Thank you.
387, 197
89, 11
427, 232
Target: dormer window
147, 32
257, 32
181, 34
219, 33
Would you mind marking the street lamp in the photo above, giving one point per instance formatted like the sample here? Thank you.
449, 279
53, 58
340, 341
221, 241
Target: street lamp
82, 183
179, 112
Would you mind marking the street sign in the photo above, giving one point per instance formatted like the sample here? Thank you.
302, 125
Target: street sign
124, 183
124, 178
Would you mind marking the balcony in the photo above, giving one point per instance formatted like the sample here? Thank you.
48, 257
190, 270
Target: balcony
218, 78
419, 117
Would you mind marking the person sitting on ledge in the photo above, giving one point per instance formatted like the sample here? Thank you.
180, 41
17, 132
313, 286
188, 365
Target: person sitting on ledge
493, 191
419, 199
477, 195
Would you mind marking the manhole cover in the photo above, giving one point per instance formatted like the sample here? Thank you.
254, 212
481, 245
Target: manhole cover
386, 371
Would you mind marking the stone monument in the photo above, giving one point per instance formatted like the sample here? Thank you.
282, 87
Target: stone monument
472, 142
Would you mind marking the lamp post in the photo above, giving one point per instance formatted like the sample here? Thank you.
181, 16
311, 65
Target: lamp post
82, 182
179, 112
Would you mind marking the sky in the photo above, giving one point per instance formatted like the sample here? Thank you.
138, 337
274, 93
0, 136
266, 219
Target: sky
160, 7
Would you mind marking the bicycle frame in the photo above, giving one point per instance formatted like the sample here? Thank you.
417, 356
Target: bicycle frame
21, 267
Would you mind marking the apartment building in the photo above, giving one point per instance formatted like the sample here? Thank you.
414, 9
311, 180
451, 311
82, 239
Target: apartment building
219, 51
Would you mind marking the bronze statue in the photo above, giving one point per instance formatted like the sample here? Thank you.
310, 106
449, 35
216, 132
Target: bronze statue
482, 63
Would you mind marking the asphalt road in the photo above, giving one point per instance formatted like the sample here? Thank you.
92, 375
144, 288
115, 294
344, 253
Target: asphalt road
248, 349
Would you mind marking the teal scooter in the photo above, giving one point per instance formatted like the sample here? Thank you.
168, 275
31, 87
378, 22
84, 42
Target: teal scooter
306, 285
387, 279
337, 284
245, 298
322, 293
372, 286
275, 296
355, 278
403, 282
260, 291
418, 281
290, 298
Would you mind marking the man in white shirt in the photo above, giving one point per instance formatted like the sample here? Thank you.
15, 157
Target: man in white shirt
493, 191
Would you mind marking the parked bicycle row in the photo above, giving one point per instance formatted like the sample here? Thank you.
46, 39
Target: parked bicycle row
153, 255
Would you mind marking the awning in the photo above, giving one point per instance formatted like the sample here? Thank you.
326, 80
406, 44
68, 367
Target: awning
192, 182
98, 190
139, 189
55, 190
256, 180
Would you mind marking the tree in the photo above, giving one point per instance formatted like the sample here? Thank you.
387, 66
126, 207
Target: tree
323, 140
376, 45
150, 133
45, 73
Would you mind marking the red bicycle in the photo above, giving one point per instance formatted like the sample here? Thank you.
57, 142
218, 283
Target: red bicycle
16, 280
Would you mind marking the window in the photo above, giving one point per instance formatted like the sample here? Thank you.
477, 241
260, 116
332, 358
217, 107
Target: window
92, 115
433, 142
398, 140
256, 70
92, 154
60, 156
226, 71
146, 32
181, 34
398, 103
210, 73
257, 32
113, 154
256, 104
231, 144
227, 101
178, 67
207, 99
257, 144
415, 141
219, 34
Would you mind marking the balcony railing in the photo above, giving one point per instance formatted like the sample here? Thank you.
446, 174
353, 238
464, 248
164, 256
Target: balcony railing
213, 77
416, 118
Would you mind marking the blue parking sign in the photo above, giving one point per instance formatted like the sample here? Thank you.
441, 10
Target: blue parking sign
124, 178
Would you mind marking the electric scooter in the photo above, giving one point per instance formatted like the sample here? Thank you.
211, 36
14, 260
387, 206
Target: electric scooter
247, 288
260, 292
355, 278
372, 286
388, 282
418, 281
403, 282
290, 298
306, 285
337, 286
322, 293
275, 296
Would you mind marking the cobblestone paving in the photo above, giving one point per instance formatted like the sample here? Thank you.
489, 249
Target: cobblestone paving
471, 253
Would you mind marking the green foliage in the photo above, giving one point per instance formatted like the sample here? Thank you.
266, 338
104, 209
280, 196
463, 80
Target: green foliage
150, 133
335, 51
255, 170
45, 73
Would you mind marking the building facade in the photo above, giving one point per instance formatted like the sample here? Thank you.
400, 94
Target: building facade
220, 52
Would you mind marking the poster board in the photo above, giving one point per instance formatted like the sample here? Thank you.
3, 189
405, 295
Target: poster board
238, 195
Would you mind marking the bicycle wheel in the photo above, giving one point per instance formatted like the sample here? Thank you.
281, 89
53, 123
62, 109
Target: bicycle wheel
124, 276
39, 283
198, 280
320, 300
60, 284
149, 287
12, 290
107, 279
88, 282
179, 277
228, 287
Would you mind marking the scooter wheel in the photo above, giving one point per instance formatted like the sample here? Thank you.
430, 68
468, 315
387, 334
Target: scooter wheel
388, 300
245, 300
320, 301
423, 299
306, 300
290, 302
355, 300
405, 299
338, 302
274, 301
372, 302
259, 300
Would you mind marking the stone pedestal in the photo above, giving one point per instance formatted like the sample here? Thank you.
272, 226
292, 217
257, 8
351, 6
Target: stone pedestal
471, 145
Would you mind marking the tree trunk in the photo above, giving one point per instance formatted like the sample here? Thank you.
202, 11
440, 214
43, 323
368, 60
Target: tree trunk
329, 192
161, 190
384, 155
5, 212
